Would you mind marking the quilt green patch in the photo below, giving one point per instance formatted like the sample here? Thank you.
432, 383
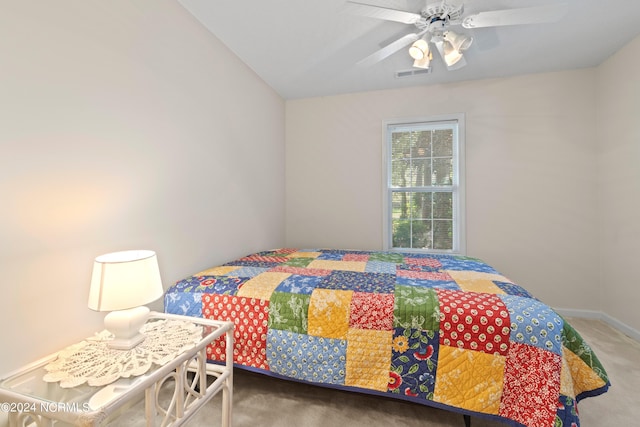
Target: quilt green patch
387, 257
416, 308
288, 312
574, 342
299, 262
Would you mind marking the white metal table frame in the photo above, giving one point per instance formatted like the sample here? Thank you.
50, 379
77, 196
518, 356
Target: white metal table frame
189, 395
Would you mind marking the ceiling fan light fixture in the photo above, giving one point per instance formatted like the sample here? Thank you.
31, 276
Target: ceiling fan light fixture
432, 29
451, 56
424, 63
459, 42
419, 49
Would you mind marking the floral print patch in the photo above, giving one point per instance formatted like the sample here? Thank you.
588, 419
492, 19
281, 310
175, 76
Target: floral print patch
414, 361
359, 282
250, 319
531, 386
416, 308
371, 311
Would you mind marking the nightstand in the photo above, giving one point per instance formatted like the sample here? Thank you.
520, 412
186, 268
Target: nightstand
185, 376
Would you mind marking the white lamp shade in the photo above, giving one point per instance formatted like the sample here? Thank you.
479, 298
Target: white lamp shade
419, 49
459, 42
123, 280
423, 63
451, 55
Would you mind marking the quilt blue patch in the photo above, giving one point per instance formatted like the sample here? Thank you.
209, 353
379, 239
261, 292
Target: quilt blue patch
306, 357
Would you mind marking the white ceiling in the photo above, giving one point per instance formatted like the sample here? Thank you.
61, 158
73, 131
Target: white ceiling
307, 48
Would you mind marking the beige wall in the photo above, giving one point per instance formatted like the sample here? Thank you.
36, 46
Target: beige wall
619, 145
124, 125
531, 174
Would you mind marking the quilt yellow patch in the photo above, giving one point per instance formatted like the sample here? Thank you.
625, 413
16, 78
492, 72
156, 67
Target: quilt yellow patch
324, 264
262, 285
304, 255
584, 378
329, 313
219, 271
469, 379
368, 356
473, 281
566, 382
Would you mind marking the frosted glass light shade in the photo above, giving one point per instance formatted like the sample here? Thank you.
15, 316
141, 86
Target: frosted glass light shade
419, 49
451, 55
423, 63
123, 280
459, 42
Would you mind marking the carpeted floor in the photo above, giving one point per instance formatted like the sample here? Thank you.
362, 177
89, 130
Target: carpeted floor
267, 402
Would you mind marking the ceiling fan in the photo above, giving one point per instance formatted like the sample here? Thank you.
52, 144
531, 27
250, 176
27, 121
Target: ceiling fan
432, 28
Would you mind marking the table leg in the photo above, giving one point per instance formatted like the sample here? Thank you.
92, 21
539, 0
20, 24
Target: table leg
150, 409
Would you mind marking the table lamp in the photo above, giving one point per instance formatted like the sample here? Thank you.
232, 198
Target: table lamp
122, 283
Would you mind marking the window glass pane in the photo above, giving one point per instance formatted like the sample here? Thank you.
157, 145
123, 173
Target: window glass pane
401, 233
400, 205
443, 205
442, 234
400, 159
420, 172
443, 171
421, 234
421, 204
443, 143
400, 173
401, 145
421, 144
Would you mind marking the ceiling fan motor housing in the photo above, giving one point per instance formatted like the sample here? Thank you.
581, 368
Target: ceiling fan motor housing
437, 16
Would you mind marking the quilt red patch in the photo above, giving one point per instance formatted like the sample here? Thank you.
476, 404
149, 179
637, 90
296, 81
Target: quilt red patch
371, 311
474, 321
250, 318
424, 262
532, 385
356, 257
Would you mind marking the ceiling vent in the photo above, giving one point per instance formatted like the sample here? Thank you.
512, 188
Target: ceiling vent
415, 72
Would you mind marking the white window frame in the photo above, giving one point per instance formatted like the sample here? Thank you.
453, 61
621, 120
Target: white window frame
458, 186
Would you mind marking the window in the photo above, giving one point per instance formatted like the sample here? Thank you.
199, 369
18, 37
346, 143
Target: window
424, 193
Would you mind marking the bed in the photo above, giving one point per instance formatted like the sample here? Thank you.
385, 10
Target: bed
439, 330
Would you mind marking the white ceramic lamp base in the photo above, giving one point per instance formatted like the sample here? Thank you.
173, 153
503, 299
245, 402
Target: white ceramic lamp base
125, 326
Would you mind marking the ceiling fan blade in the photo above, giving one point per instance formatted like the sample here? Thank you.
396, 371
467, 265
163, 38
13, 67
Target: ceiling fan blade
389, 49
528, 15
371, 11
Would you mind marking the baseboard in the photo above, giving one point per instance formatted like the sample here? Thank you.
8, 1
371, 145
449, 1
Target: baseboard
610, 320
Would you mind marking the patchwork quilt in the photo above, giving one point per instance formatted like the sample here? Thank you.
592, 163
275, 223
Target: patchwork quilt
446, 331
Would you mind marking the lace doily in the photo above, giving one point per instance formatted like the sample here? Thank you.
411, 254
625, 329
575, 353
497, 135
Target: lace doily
91, 361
